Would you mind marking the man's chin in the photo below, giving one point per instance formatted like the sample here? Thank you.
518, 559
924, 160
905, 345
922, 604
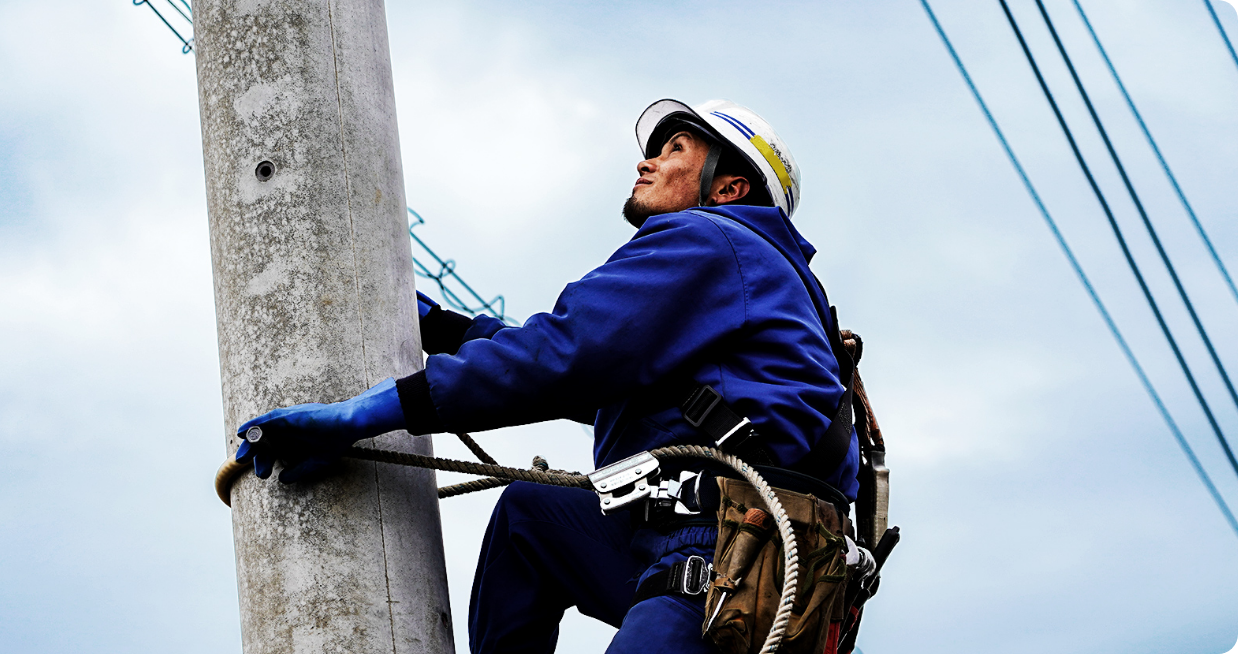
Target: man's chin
637, 212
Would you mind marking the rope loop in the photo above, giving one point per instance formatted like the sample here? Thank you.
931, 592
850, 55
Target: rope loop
542, 474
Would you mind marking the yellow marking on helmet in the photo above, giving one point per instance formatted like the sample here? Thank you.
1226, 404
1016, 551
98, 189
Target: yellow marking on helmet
772, 158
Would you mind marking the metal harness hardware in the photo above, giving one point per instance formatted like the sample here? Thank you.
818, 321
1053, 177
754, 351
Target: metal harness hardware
625, 482
705, 406
699, 404
691, 577
681, 496
688, 578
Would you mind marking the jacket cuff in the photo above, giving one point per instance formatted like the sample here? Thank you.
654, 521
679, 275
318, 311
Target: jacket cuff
420, 416
483, 326
442, 331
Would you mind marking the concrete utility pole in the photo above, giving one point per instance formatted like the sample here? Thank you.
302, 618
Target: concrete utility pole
314, 301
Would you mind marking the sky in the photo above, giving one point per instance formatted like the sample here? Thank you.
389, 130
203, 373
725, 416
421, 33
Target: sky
1043, 502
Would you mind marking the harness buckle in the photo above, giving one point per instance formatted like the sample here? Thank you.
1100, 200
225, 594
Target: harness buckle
691, 577
745, 427
681, 497
625, 482
700, 404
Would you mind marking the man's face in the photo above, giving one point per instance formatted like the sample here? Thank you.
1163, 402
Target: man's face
669, 182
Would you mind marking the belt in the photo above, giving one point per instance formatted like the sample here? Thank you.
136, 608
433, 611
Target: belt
689, 578
798, 482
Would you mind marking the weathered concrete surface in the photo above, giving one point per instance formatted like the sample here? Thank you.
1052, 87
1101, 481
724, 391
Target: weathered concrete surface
314, 301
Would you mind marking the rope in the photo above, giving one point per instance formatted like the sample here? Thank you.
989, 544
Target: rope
549, 478
790, 551
502, 475
499, 475
485, 484
1190, 211
1083, 278
1117, 231
485, 457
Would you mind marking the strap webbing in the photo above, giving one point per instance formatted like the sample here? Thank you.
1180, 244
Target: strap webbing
832, 449
706, 410
707, 172
674, 581
654, 586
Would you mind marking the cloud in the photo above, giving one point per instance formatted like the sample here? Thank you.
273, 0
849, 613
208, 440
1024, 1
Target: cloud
1033, 480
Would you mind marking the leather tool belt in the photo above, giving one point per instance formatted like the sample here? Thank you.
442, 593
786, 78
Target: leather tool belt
744, 596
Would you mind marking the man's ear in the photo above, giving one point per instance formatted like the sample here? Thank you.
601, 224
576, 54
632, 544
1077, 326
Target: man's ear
728, 189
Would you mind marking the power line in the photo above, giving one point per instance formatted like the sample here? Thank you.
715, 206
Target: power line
1117, 231
1216, 20
1216, 258
1143, 214
1083, 278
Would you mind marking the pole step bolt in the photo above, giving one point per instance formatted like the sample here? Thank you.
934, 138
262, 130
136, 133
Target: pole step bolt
264, 171
253, 434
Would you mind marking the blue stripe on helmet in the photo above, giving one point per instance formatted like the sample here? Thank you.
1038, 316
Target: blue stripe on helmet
743, 129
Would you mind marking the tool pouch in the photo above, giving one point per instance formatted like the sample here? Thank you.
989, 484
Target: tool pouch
749, 592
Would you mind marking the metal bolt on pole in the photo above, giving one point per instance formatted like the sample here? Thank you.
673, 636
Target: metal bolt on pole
314, 302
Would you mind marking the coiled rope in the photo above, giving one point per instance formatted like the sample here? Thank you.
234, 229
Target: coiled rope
499, 475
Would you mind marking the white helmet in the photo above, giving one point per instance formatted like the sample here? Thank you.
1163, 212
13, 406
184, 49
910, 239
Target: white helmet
743, 129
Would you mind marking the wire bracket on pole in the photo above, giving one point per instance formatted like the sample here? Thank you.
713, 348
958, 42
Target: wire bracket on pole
446, 274
182, 8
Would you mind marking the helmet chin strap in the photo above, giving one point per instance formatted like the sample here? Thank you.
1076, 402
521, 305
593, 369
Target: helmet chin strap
707, 173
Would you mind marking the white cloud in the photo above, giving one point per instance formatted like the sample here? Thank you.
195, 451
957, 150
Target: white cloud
1033, 479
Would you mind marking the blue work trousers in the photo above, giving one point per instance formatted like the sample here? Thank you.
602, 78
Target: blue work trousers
549, 548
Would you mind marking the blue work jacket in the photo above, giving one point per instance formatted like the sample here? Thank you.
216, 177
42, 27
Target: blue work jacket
716, 293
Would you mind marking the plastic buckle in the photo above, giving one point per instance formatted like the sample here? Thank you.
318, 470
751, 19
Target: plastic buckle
699, 404
624, 482
691, 577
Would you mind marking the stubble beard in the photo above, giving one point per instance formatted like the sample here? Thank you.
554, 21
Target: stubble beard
637, 212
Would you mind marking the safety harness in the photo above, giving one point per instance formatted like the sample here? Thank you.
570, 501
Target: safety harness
688, 498
706, 410
626, 484
680, 501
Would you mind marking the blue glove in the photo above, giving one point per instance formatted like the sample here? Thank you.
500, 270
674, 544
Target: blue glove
424, 305
311, 438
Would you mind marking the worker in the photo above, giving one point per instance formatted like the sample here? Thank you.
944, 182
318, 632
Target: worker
714, 288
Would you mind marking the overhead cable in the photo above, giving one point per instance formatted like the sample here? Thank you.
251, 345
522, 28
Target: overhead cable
1117, 231
1083, 278
1216, 20
1216, 258
1143, 214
